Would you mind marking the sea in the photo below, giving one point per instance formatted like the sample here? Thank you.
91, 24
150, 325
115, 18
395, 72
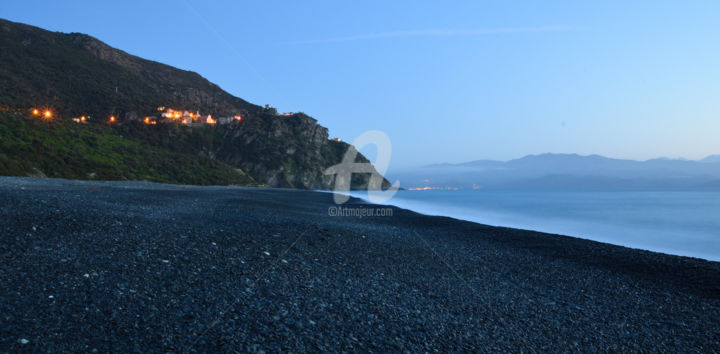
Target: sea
680, 223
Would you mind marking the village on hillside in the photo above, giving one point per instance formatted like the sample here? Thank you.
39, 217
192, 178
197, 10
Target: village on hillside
164, 115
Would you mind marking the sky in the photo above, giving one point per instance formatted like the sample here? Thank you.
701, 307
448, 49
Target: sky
449, 81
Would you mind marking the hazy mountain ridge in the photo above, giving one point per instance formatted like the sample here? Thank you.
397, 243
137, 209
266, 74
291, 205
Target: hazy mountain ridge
711, 159
568, 171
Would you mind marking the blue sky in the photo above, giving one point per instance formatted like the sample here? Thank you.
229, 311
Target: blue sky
447, 81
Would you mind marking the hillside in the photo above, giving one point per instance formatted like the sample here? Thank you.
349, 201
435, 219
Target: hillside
74, 75
48, 149
78, 74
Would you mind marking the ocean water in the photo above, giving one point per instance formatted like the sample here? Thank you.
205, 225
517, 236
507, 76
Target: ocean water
681, 223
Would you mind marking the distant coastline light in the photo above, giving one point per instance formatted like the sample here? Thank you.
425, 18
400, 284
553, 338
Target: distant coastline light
429, 188
36, 112
47, 114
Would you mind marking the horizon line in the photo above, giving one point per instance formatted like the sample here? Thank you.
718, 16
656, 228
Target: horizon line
580, 155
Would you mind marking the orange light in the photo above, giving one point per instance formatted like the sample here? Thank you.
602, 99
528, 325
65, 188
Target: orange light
113, 119
47, 114
35, 112
83, 118
238, 118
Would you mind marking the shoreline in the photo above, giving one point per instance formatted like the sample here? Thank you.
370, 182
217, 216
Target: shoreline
142, 266
432, 210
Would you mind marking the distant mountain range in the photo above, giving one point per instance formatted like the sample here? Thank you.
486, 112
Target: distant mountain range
75, 75
711, 159
568, 172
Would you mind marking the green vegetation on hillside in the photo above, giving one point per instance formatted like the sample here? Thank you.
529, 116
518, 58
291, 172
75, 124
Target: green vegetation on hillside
33, 147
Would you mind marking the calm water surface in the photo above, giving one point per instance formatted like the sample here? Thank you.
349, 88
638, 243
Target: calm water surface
682, 223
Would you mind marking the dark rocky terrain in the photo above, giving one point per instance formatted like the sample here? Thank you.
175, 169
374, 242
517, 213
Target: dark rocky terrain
128, 266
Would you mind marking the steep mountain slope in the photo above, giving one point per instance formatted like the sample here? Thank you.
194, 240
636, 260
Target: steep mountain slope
75, 74
78, 74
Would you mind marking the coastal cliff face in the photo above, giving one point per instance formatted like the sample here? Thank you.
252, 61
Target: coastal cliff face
277, 149
286, 152
76, 74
